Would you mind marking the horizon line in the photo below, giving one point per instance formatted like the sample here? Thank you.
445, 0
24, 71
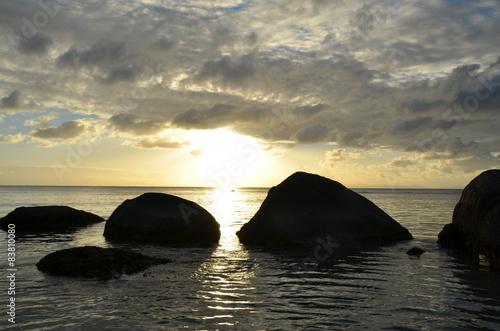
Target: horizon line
226, 187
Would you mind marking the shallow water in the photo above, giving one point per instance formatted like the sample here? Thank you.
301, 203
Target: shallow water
234, 287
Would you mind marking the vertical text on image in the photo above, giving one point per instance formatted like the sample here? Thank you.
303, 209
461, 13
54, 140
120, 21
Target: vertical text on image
11, 272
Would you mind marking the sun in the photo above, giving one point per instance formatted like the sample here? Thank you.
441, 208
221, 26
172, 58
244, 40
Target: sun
227, 158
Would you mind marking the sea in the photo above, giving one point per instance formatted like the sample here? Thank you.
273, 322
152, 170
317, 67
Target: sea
233, 287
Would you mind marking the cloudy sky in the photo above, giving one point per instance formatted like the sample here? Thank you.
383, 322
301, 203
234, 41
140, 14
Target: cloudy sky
244, 93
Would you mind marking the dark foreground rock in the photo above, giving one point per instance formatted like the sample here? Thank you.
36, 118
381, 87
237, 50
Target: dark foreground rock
306, 206
415, 251
96, 262
475, 227
164, 219
48, 219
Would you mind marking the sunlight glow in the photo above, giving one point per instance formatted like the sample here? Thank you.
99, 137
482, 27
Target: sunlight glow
227, 158
224, 205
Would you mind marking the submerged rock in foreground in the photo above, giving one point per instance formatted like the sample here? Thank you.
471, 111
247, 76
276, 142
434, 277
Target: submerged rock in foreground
48, 219
163, 219
306, 206
96, 262
475, 227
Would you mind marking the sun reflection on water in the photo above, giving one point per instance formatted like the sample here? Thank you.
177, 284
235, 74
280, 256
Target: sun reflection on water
226, 277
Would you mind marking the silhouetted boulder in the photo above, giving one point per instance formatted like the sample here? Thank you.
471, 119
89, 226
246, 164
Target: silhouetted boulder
96, 262
48, 219
306, 206
164, 219
451, 237
475, 226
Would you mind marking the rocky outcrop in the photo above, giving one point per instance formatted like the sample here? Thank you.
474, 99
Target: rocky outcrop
163, 219
48, 219
96, 262
475, 227
306, 206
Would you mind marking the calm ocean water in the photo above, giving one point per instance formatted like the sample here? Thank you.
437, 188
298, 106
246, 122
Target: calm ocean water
233, 287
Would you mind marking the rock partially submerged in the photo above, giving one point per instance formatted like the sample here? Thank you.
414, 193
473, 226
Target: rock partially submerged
163, 219
306, 206
475, 227
415, 251
48, 219
96, 262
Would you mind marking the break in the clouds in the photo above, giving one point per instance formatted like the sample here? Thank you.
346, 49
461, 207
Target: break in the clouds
415, 81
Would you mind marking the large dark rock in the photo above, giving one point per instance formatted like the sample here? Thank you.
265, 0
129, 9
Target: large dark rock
96, 262
48, 219
164, 219
306, 206
475, 226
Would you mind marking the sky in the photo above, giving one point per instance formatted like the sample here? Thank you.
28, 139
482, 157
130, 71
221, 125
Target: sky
394, 94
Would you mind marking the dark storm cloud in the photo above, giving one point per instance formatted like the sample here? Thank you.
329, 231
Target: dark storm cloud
135, 126
363, 21
445, 124
122, 74
312, 134
406, 53
67, 130
455, 147
353, 139
227, 71
461, 78
115, 64
217, 116
421, 105
37, 44
12, 101
309, 111
411, 125
163, 44
100, 54
482, 92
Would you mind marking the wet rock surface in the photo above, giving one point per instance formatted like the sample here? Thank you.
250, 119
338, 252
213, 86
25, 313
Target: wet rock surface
96, 262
